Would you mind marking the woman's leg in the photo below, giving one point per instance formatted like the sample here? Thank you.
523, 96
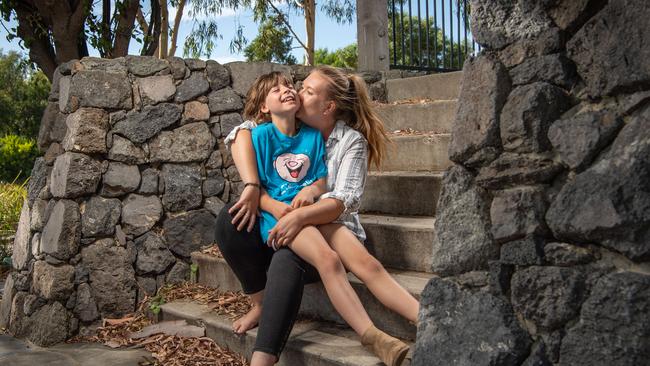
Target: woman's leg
355, 257
286, 278
249, 258
310, 245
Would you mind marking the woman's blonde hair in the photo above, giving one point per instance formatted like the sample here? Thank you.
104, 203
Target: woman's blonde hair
350, 95
257, 94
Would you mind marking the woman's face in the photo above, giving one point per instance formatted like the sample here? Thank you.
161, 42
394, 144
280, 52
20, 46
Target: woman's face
314, 102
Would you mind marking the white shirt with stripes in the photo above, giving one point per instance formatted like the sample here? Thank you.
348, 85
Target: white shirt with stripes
347, 169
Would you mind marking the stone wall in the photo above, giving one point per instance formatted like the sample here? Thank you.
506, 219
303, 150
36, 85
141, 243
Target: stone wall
133, 175
543, 227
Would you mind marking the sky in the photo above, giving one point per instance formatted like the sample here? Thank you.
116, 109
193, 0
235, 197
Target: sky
329, 34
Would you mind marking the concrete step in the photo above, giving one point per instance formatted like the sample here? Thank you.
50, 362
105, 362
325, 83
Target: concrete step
315, 302
402, 193
310, 343
437, 116
426, 152
400, 242
443, 86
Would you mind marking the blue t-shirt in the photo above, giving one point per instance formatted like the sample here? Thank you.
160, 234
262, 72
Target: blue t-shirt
286, 164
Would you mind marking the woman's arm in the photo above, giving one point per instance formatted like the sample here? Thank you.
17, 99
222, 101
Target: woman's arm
243, 155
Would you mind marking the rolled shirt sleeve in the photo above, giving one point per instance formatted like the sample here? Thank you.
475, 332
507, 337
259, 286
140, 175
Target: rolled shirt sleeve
349, 176
246, 125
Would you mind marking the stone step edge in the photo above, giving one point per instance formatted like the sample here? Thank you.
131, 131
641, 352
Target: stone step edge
414, 282
420, 223
406, 173
410, 102
417, 134
302, 340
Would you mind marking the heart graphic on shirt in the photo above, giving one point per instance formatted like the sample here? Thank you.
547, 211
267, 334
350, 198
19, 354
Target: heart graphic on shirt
292, 167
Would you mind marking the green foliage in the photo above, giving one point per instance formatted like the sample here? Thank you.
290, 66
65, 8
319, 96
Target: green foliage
155, 303
204, 35
194, 269
12, 196
345, 57
272, 44
417, 38
17, 155
23, 96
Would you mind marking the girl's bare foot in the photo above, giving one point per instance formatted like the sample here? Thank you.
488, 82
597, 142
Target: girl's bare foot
248, 321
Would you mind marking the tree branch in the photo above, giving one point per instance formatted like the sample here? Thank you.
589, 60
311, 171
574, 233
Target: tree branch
142, 21
283, 20
41, 51
151, 39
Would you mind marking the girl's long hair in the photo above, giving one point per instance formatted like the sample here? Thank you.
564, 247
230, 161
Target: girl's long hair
350, 94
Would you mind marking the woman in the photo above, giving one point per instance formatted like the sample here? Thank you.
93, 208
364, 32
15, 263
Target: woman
338, 106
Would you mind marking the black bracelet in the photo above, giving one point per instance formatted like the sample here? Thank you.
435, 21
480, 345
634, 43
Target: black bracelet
252, 184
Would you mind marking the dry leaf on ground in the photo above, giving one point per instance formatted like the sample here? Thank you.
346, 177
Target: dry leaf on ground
172, 327
212, 250
174, 350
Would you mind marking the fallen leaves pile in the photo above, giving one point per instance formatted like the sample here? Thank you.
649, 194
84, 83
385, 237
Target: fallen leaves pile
212, 250
229, 303
186, 351
169, 342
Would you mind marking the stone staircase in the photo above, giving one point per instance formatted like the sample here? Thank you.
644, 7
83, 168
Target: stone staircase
398, 214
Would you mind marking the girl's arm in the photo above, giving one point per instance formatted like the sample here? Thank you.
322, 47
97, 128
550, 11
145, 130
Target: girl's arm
272, 206
243, 155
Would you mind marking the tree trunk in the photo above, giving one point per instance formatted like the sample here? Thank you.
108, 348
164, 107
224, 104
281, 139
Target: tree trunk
310, 24
177, 24
66, 20
51, 30
164, 29
124, 29
106, 27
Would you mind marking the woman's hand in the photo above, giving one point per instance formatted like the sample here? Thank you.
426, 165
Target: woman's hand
246, 208
286, 229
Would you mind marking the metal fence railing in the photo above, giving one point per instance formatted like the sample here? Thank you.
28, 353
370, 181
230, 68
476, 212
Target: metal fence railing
429, 35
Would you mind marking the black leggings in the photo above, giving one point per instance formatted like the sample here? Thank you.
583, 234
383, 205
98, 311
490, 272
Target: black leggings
283, 274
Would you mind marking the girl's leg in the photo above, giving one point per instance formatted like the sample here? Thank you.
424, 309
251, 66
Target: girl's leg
249, 258
310, 245
287, 277
355, 257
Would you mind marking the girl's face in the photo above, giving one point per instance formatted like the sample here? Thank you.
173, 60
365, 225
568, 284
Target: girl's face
282, 100
316, 106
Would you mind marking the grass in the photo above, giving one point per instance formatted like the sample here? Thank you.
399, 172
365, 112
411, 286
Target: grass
12, 196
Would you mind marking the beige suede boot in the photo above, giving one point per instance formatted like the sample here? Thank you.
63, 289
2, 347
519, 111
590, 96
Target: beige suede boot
390, 350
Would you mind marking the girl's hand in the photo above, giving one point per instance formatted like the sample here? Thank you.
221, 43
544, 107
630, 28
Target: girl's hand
304, 198
283, 210
286, 229
246, 208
